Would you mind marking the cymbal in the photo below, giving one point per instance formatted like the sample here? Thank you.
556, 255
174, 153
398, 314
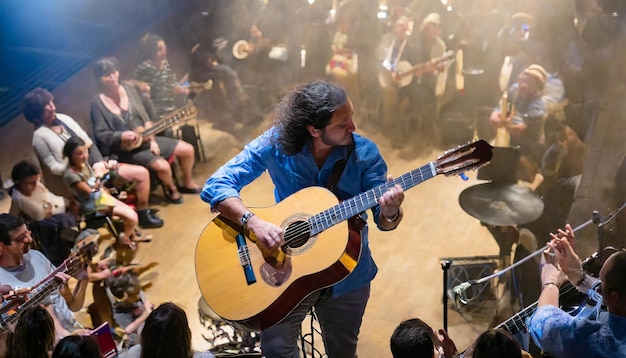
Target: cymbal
501, 204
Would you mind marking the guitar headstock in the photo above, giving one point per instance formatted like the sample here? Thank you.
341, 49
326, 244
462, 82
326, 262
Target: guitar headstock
463, 158
85, 251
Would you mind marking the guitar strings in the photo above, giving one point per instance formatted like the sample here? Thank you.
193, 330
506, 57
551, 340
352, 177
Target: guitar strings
335, 215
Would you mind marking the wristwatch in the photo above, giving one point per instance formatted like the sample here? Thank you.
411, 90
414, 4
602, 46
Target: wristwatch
244, 219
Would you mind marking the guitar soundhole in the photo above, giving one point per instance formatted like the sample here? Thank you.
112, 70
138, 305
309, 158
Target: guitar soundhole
297, 234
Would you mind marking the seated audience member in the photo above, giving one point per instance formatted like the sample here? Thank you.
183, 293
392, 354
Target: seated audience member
155, 73
53, 129
34, 334
525, 120
77, 346
130, 307
562, 335
22, 267
167, 320
52, 221
495, 343
119, 113
413, 338
206, 65
30, 198
85, 188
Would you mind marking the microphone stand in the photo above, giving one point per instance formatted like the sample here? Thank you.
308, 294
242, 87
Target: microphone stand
596, 218
470, 283
445, 266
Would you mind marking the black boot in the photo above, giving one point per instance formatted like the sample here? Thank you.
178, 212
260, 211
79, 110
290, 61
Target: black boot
147, 220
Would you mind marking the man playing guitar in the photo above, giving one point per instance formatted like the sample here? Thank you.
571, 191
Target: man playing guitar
22, 269
560, 334
313, 131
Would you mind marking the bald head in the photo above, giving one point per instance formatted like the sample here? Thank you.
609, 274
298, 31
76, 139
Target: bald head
613, 276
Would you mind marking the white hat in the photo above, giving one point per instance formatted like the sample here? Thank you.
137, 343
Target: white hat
432, 18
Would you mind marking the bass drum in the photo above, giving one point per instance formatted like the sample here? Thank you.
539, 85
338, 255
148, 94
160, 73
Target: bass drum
225, 340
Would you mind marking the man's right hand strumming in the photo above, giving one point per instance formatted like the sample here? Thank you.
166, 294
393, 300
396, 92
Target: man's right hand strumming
268, 234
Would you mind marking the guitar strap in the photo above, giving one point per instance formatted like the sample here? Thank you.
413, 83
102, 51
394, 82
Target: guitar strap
335, 175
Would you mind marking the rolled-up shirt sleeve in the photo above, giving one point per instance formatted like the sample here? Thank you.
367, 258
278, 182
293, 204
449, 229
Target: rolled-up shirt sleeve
551, 328
238, 172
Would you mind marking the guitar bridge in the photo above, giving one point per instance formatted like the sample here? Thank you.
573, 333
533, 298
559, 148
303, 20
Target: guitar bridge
244, 259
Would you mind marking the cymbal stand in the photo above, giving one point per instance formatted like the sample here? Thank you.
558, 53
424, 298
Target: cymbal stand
445, 266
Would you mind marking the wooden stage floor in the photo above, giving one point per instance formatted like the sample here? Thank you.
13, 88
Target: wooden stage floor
409, 282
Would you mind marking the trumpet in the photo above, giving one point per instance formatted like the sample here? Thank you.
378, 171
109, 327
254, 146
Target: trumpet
241, 49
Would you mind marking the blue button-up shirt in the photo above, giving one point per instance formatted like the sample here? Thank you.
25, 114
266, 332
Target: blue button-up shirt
558, 333
364, 170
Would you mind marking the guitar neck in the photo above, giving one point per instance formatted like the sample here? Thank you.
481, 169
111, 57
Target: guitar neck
357, 204
517, 323
179, 115
42, 290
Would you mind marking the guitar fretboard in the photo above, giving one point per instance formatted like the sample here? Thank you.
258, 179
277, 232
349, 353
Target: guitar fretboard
517, 323
359, 203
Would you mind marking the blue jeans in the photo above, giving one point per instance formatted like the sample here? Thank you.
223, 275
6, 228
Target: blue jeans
339, 317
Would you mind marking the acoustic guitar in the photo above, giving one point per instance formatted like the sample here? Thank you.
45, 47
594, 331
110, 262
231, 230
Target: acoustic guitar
20, 299
404, 72
254, 289
177, 116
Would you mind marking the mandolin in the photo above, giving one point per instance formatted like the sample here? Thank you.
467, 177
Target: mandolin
179, 115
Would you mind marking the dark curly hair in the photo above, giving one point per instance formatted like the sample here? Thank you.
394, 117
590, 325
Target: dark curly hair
33, 104
412, 338
312, 103
9, 222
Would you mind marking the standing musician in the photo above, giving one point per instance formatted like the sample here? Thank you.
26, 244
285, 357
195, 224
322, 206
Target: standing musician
21, 267
313, 131
397, 101
431, 85
562, 335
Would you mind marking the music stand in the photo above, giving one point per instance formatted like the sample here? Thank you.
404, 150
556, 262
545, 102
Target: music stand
502, 169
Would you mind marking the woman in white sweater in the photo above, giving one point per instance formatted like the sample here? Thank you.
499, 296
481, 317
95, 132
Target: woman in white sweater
53, 129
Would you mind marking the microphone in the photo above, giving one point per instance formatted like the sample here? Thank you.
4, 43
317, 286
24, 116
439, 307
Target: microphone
460, 289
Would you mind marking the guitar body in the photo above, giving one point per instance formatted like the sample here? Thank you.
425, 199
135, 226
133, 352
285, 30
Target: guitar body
404, 71
311, 264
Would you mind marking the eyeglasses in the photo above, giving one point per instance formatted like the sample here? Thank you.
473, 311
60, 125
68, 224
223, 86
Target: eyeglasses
23, 236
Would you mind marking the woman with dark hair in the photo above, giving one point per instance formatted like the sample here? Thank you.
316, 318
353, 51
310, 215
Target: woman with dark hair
31, 199
155, 72
166, 334
119, 113
85, 187
34, 334
51, 218
495, 343
75, 346
53, 129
